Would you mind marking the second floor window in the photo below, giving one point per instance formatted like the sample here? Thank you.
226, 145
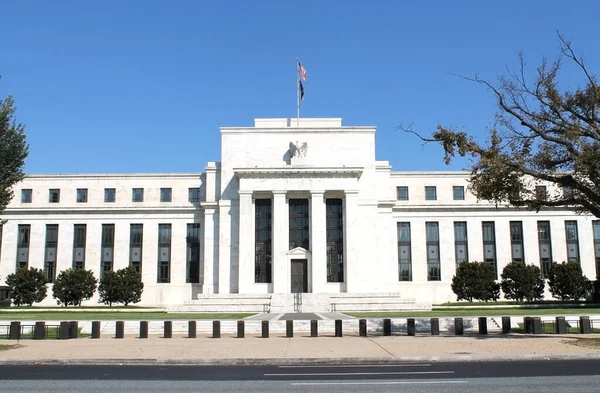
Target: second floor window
82, 194
458, 192
166, 194
110, 194
430, 193
137, 195
54, 195
26, 195
402, 193
194, 194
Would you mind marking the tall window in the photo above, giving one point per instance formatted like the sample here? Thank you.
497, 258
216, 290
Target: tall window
572, 241
595, 230
137, 195
79, 237
432, 232
23, 245
26, 195
110, 194
334, 213
82, 195
402, 193
166, 194
516, 241
489, 244
540, 193
299, 223
108, 248
136, 241
545, 244
430, 193
50, 254
262, 240
568, 192
458, 193
193, 253
194, 194
164, 253
54, 195
404, 252
461, 242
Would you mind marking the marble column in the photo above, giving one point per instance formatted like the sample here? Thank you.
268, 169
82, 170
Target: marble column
351, 241
209, 250
280, 243
246, 243
318, 242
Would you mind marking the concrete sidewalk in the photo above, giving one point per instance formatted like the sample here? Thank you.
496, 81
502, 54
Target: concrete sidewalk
299, 349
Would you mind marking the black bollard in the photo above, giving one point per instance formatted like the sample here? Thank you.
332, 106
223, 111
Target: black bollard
63, 331
362, 327
191, 329
73, 329
39, 331
15, 331
289, 329
168, 329
338, 328
561, 325
216, 329
241, 329
528, 325
95, 329
584, 325
314, 328
435, 326
143, 329
505, 325
120, 329
537, 325
410, 327
387, 327
459, 326
265, 329
482, 323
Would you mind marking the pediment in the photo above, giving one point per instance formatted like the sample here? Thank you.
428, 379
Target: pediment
298, 251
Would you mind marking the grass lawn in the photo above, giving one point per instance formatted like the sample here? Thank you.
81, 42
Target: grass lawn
65, 315
476, 312
4, 347
549, 303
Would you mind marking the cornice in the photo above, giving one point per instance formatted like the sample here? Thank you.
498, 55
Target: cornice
298, 171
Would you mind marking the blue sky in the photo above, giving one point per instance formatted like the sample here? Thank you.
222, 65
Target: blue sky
144, 85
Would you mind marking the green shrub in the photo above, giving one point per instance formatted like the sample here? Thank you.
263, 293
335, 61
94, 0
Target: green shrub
522, 282
567, 282
475, 281
27, 286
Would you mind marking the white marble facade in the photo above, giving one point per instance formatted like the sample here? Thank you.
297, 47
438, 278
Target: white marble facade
281, 160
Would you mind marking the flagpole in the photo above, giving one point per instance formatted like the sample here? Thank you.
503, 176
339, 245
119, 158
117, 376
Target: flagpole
297, 94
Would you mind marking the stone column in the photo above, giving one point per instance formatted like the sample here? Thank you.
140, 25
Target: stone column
226, 276
351, 240
209, 250
318, 242
280, 243
246, 242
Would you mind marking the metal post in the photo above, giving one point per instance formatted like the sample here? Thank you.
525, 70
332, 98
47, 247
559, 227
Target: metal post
584, 325
435, 326
168, 329
362, 327
314, 328
241, 329
289, 329
338, 328
411, 329
482, 323
39, 332
265, 329
387, 327
191, 329
216, 329
120, 329
459, 327
506, 325
15, 331
561, 325
63, 331
73, 329
95, 329
143, 329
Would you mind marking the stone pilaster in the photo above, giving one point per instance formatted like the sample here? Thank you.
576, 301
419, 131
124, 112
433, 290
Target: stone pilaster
318, 242
280, 243
246, 242
351, 240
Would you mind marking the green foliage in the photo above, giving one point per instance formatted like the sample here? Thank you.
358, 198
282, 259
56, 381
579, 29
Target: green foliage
475, 281
522, 282
109, 289
13, 151
72, 287
123, 286
27, 286
567, 282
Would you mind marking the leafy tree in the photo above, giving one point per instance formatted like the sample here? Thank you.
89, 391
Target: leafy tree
567, 281
542, 134
13, 151
72, 287
110, 288
27, 286
475, 280
131, 284
522, 282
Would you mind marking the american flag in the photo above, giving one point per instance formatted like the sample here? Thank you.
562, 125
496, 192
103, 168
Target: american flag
302, 71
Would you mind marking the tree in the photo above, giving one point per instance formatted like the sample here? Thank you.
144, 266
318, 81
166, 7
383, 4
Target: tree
543, 134
110, 288
132, 285
72, 287
567, 281
475, 280
27, 286
13, 151
522, 282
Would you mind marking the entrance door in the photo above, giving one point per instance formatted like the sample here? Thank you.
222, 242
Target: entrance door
299, 276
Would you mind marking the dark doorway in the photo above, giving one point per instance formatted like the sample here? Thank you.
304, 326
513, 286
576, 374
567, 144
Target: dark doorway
299, 276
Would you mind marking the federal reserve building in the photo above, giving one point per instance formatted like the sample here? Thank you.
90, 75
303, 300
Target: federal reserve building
294, 211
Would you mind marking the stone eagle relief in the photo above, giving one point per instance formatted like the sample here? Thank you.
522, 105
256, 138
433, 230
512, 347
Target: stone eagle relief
298, 149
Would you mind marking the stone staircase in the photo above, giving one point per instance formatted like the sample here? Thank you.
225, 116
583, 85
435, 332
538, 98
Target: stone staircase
385, 301
254, 303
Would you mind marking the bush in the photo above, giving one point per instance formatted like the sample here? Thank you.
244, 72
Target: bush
123, 286
475, 280
522, 282
72, 287
567, 282
110, 289
27, 286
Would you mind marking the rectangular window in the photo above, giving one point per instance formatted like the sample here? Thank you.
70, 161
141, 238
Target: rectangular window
50, 254
430, 193
110, 195
262, 240
79, 238
572, 241
166, 194
461, 242
26, 195
540, 193
458, 193
334, 222
595, 230
164, 253
568, 192
194, 195
545, 244
54, 195
23, 245
432, 232
299, 223
489, 244
193, 253
516, 241
137, 195
82, 195
136, 241
404, 252
402, 193
108, 248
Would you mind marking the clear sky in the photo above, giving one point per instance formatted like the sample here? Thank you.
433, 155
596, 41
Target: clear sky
144, 85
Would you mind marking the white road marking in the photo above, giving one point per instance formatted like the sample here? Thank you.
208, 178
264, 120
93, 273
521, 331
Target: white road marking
362, 365
380, 383
364, 373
